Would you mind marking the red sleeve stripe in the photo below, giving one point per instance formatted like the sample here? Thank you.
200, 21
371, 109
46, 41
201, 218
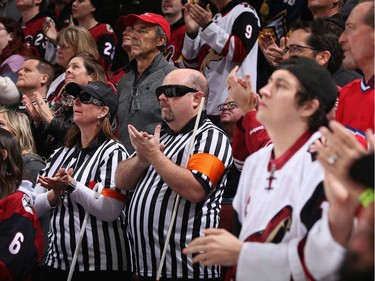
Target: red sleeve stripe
114, 194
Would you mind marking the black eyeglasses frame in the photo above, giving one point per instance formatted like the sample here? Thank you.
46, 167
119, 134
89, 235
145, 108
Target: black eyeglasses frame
227, 105
297, 47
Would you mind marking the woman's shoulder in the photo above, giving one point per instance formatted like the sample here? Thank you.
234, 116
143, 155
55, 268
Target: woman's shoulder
114, 145
32, 157
13, 62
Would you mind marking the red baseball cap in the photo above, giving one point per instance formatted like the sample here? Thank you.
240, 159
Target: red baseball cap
129, 20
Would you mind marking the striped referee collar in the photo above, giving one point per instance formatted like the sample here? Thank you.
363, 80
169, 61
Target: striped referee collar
93, 146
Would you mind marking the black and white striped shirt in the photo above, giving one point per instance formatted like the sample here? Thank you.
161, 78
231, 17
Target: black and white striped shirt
105, 245
152, 203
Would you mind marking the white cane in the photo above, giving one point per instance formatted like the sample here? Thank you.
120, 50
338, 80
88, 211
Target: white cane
98, 189
177, 200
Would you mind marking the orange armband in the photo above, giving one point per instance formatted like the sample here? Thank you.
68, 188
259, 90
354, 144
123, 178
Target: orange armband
207, 164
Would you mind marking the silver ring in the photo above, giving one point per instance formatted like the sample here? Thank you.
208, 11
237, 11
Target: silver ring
332, 159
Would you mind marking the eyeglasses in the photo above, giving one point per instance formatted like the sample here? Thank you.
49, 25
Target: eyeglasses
172, 91
63, 47
86, 98
296, 49
229, 105
134, 102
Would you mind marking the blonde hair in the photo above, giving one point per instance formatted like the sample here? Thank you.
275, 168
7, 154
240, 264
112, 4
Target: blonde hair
20, 126
80, 39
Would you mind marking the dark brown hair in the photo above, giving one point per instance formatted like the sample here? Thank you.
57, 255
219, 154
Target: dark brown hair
17, 45
11, 166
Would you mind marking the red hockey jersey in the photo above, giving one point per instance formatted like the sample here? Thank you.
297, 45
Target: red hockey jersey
21, 237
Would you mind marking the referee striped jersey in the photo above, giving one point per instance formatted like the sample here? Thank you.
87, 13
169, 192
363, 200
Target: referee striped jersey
152, 203
105, 245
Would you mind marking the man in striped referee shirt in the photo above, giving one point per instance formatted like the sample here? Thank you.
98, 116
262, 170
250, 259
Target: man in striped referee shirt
157, 174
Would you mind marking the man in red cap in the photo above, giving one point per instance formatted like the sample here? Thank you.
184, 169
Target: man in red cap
136, 89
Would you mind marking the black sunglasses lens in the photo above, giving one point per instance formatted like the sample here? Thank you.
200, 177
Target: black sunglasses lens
84, 98
168, 91
171, 91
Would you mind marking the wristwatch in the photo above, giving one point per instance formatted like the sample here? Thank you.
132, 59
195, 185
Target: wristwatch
71, 186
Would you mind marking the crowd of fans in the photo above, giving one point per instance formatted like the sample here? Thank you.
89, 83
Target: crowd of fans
123, 134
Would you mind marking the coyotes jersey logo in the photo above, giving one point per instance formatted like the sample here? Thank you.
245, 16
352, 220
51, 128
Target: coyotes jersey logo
276, 229
211, 55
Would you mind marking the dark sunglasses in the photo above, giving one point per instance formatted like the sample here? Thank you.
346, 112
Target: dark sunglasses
86, 98
171, 91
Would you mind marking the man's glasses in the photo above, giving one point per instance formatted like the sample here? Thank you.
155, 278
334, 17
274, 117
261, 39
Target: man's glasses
86, 98
228, 106
171, 91
296, 49
134, 101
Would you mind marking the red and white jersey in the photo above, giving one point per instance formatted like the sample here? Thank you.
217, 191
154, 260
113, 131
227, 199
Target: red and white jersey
278, 201
249, 137
356, 105
21, 237
173, 54
34, 36
229, 40
106, 42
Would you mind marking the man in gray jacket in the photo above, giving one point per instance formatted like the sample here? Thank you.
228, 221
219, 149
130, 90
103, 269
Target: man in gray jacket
138, 103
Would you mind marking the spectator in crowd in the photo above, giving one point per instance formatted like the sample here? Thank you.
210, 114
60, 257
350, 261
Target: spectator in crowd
138, 104
322, 38
318, 9
328, 8
356, 101
67, 188
21, 234
214, 45
19, 126
197, 177
230, 114
87, 14
12, 48
70, 41
349, 178
62, 11
50, 125
9, 10
314, 39
318, 39
279, 197
35, 75
114, 76
173, 12
276, 18
33, 21
249, 135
